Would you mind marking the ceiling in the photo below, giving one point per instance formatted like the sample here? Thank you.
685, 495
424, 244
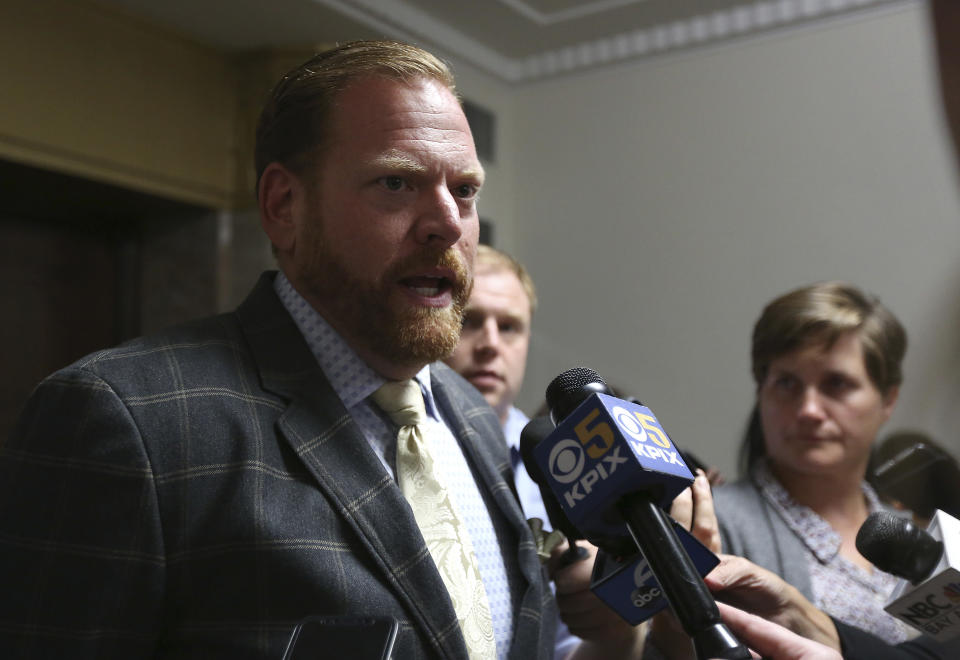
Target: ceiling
515, 40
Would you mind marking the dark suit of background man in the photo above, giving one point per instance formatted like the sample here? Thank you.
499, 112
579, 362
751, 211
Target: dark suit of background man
193, 494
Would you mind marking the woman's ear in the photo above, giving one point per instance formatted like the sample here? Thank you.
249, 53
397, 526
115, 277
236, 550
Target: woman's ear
277, 194
890, 400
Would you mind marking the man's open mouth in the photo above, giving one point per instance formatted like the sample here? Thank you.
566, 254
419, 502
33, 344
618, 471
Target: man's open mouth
428, 287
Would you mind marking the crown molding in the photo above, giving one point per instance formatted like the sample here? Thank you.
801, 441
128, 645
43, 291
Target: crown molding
717, 28
567, 14
399, 20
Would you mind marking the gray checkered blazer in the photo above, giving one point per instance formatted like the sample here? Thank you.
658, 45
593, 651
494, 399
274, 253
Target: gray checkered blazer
194, 494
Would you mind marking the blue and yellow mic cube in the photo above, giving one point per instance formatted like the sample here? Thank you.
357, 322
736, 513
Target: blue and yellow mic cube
604, 449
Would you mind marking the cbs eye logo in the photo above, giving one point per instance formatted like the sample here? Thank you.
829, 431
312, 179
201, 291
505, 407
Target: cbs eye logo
566, 461
629, 423
640, 427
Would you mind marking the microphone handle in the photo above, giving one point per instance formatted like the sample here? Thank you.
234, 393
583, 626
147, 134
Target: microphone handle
679, 579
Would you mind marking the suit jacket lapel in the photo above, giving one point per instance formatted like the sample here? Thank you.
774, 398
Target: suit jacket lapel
345, 467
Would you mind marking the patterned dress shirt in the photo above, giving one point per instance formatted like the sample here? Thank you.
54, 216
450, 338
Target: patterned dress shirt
841, 588
354, 382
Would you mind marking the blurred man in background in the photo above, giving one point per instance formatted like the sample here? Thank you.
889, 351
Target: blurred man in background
492, 353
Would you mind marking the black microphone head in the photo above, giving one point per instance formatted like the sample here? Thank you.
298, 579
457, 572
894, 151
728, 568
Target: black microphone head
895, 545
569, 389
533, 433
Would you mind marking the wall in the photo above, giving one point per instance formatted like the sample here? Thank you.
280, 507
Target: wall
500, 188
693, 188
108, 97
95, 93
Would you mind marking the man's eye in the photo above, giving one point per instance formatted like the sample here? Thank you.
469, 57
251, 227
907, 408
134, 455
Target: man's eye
466, 190
393, 183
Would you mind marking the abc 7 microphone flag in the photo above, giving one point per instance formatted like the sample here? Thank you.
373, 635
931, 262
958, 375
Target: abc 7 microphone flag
605, 449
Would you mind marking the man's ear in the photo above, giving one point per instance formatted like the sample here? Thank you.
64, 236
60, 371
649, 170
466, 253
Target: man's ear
278, 193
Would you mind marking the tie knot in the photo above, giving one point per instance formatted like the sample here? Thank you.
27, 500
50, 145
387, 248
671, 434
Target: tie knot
402, 401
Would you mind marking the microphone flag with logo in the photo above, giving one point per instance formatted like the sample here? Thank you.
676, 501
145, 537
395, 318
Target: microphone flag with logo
928, 596
605, 448
614, 470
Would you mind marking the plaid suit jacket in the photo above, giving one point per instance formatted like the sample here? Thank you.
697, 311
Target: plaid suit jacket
194, 494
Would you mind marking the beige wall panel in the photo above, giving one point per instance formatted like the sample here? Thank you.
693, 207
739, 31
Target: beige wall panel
90, 91
257, 73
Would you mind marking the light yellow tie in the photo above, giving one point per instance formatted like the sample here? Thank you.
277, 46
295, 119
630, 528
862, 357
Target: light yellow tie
447, 538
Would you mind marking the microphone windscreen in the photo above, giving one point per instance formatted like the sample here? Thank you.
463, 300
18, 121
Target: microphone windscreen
569, 389
895, 545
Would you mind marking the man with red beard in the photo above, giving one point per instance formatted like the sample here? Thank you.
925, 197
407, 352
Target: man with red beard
196, 493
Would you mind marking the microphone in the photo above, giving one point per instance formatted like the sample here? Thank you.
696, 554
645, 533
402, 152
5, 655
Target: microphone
613, 469
627, 586
928, 596
921, 476
532, 434
895, 545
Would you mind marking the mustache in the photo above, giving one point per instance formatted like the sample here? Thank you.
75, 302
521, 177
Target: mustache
447, 258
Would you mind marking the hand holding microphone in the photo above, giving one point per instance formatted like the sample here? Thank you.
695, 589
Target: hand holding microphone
612, 467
